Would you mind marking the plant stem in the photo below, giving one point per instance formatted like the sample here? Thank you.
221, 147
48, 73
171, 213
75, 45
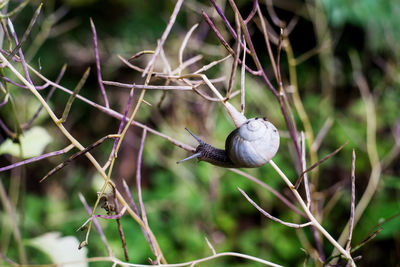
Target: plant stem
310, 215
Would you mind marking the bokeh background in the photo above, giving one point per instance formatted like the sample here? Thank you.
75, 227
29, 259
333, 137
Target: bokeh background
190, 201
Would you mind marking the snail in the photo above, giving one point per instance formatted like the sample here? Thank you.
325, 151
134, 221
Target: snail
252, 144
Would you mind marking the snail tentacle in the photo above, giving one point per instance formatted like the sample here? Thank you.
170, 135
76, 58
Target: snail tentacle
196, 155
208, 153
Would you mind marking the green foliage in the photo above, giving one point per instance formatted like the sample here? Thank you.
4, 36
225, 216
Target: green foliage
379, 18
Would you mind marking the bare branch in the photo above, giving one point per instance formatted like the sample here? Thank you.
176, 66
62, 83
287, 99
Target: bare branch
73, 96
321, 134
76, 155
98, 69
184, 43
34, 159
96, 225
242, 79
27, 31
318, 163
266, 214
210, 246
353, 200
164, 36
303, 167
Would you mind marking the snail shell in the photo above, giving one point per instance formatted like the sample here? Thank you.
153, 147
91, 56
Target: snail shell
251, 145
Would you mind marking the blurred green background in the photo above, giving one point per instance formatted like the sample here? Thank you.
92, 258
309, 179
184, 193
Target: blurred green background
186, 203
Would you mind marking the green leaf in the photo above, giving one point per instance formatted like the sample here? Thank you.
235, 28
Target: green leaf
32, 144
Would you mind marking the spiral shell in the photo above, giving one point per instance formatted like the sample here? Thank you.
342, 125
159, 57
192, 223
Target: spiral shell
253, 144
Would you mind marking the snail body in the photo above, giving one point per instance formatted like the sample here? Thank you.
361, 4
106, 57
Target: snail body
253, 144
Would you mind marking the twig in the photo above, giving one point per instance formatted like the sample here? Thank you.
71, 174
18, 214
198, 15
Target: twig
252, 12
27, 31
368, 239
298, 182
141, 53
235, 60
58, 79
278, 62
242, 79
96, 225
7, 131
34, 159
76, 155
46, 30
228, 25
270, 189
266, 214
132, 201
275, 19
167, 66
72, 97
372, 150
184, 43
309, 202
220, 38
21, 55
134, 207
182, 66
185, 64
225, 44
310, 216
198, 261
98, 69
353, 200
150, 87
139, 192
116, 261
212, 64
210, 246
130, 65
118, 220
237, 118
121, 126
164, 36
139, 178
303, 167
251, 47
321, 134
15, 10
291, 25
267, 42
6, 97
38, 87
107, 217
